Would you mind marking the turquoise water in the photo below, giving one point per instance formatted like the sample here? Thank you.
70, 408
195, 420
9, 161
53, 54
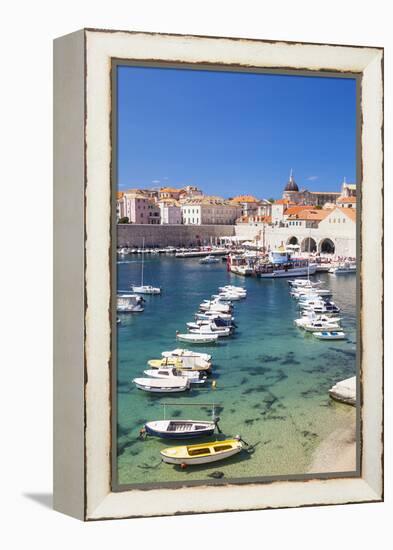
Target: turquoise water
272, 379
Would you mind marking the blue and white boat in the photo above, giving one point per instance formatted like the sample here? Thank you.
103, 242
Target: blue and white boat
281, 264
181, 429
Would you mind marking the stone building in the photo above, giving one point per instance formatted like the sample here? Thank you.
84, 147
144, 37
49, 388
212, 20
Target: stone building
208, 210
316, 198
170, 212
138, 208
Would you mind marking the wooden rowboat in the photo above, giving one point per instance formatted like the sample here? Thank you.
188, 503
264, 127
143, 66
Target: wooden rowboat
202, 453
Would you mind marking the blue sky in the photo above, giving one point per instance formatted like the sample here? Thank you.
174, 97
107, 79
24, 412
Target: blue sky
234, 133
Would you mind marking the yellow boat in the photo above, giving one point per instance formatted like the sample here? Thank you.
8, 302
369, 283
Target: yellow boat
202, 453
166, 362
180, 363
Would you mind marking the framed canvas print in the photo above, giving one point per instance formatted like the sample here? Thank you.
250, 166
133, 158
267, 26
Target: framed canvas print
218, 274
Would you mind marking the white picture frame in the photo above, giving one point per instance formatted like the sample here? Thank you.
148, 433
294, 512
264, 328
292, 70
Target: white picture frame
83, 284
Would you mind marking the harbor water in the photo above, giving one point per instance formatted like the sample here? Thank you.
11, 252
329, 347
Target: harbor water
272, 378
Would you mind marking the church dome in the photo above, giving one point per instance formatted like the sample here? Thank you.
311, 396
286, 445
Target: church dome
291, 185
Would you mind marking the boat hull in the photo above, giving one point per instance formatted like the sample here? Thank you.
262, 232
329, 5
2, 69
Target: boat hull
294, 272
179, 458
199, 341
151, 429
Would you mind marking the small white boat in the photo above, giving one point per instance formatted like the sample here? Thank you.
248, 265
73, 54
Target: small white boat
197, 338
233, 288
211, 315
304, 283
322, 308
146, 289
307, 319
229, 296
343, 268
304, 294
317, 326
330, 335
194, 377
202, 453
217, 321
180, 429
212, 329
209, 260
142, 288
216, 306
179, 352
129, 303
155, 385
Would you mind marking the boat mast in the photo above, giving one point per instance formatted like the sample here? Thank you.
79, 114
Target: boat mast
143, 259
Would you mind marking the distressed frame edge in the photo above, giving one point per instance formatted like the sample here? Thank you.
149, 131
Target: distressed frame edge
69, 489
374, 494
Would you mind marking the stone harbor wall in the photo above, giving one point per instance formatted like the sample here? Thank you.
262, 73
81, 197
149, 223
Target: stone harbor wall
171, 235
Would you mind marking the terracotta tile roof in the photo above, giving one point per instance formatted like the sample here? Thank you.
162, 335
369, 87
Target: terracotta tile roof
169, 190
296, 209
284, 201
310, 215
350, 212
120, 194
206, 199
245, 198
346, 199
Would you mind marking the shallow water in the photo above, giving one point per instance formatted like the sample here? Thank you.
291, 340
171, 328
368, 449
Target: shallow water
272, 379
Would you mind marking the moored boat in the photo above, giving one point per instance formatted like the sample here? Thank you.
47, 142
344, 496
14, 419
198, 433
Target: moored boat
317, 326
180, 429
330, 335
193, 376
155, 385
213, 329
181, 363
202, 453
197, 338
129, 303
180, 352
146, 289
209, 260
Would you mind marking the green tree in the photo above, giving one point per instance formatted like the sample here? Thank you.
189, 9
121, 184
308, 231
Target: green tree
271, 200
124, 220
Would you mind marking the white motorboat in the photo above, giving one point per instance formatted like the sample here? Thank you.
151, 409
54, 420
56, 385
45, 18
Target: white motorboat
233, 288
212, 329
217, 307
229, 296
330, 335
210, 315
217, 321
304, 294
304, 283
318, 326
342, 269
129, 303
209, 260
307, 319
197, 338
179, 352
194, 377
146, 289
142, 288
155, 385
325, 308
